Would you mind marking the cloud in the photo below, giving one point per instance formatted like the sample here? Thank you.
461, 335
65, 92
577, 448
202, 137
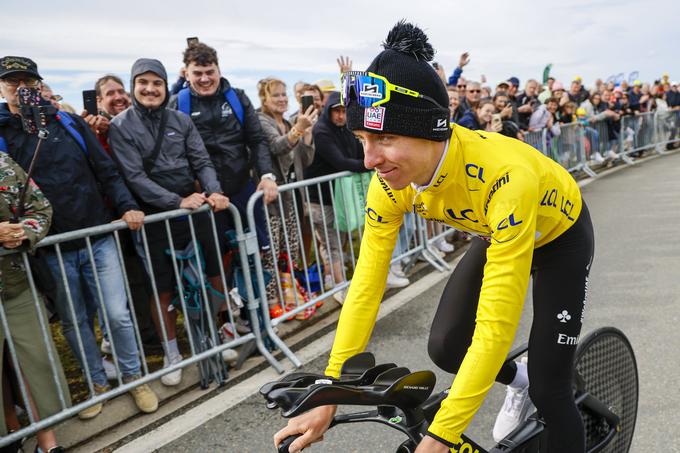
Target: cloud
79, 41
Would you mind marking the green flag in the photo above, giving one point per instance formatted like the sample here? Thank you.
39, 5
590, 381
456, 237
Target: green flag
546, 73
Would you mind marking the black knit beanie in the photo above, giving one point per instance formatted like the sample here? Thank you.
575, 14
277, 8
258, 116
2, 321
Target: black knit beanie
404, 62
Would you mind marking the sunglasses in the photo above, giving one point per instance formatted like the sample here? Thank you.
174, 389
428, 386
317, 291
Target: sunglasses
474, 91
460, 87
31, 82
372, 90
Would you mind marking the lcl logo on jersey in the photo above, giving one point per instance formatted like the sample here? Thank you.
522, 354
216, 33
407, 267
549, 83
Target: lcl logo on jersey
463, 215
475, 171
508, 222
373, 215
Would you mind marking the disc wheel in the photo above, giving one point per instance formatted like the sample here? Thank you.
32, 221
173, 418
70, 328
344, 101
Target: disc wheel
606, 369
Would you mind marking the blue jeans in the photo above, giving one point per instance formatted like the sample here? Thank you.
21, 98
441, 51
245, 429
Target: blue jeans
85, 297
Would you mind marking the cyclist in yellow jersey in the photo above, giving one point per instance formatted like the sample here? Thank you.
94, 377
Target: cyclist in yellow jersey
528, 215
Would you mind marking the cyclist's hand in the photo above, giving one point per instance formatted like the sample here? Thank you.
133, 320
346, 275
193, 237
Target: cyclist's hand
312, 425
431, 445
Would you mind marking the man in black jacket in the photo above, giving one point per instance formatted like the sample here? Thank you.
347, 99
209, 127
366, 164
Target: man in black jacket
231, 131
76, 178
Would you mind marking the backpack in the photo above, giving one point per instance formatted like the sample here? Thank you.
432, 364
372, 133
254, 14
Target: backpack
68, 123
184, 102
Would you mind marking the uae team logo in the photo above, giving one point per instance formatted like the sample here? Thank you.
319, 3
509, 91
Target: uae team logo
374, 118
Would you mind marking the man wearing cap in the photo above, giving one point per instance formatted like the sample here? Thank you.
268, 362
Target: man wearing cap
634, 96
577, 92
76, 178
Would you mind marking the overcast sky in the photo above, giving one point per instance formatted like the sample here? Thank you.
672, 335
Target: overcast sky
76, 41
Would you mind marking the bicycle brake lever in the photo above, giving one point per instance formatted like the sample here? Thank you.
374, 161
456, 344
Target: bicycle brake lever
285, 443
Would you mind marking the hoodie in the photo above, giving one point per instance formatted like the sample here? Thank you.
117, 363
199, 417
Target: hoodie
181, 160
337, 149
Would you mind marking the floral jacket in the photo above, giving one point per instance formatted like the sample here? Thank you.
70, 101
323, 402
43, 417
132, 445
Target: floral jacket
36, 221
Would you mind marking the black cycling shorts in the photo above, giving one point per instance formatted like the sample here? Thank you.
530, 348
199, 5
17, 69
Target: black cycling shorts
560, 285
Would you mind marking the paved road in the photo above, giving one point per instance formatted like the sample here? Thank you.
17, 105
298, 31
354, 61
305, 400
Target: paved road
635, 286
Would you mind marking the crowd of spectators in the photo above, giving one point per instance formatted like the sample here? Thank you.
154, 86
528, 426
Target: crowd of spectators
514, 112
201, 141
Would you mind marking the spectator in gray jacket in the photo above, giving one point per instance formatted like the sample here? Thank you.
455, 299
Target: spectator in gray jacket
164, 182
544, 117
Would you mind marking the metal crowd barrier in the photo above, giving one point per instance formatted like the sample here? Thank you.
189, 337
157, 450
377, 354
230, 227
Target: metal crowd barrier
200, 351
290, 224
581, 145
286, 219
537, 139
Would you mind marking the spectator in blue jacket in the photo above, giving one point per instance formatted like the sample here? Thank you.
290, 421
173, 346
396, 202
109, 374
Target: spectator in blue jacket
462, 61
77, 181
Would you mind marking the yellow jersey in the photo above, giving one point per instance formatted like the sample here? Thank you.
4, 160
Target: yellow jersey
492, 186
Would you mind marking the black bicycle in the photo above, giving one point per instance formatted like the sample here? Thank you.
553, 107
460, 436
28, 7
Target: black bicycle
605, 389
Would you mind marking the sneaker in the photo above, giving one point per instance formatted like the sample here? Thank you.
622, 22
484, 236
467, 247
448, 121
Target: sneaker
105, 347
396, 269
109, 369
57, 449
93, 411
516, 408
240, 326
340, 296
597, 157
230, 356
443, 246
612, 155
328, 282
394, 281
175, 377
145, 399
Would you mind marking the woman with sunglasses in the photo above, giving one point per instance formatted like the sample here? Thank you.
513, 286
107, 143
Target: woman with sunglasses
529, 219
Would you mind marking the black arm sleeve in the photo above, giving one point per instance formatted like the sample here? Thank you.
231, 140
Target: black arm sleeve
256, 140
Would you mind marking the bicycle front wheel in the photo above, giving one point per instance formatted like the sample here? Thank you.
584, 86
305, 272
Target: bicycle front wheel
606, 365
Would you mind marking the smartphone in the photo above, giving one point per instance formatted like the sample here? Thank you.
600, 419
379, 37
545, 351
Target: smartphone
435, 65
191, 41
90, 101
306, 101
496, 120
33, 109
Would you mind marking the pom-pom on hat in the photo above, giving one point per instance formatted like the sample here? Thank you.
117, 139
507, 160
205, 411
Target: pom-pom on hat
405, 62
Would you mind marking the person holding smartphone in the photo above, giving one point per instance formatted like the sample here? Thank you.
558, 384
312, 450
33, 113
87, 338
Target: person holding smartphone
291, 151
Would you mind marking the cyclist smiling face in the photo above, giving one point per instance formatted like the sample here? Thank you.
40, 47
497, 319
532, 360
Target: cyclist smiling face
395, 159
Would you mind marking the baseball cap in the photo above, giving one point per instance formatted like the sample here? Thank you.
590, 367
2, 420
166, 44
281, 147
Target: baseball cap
557, 86
502, 83
513, 81
11, 65
326, 85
